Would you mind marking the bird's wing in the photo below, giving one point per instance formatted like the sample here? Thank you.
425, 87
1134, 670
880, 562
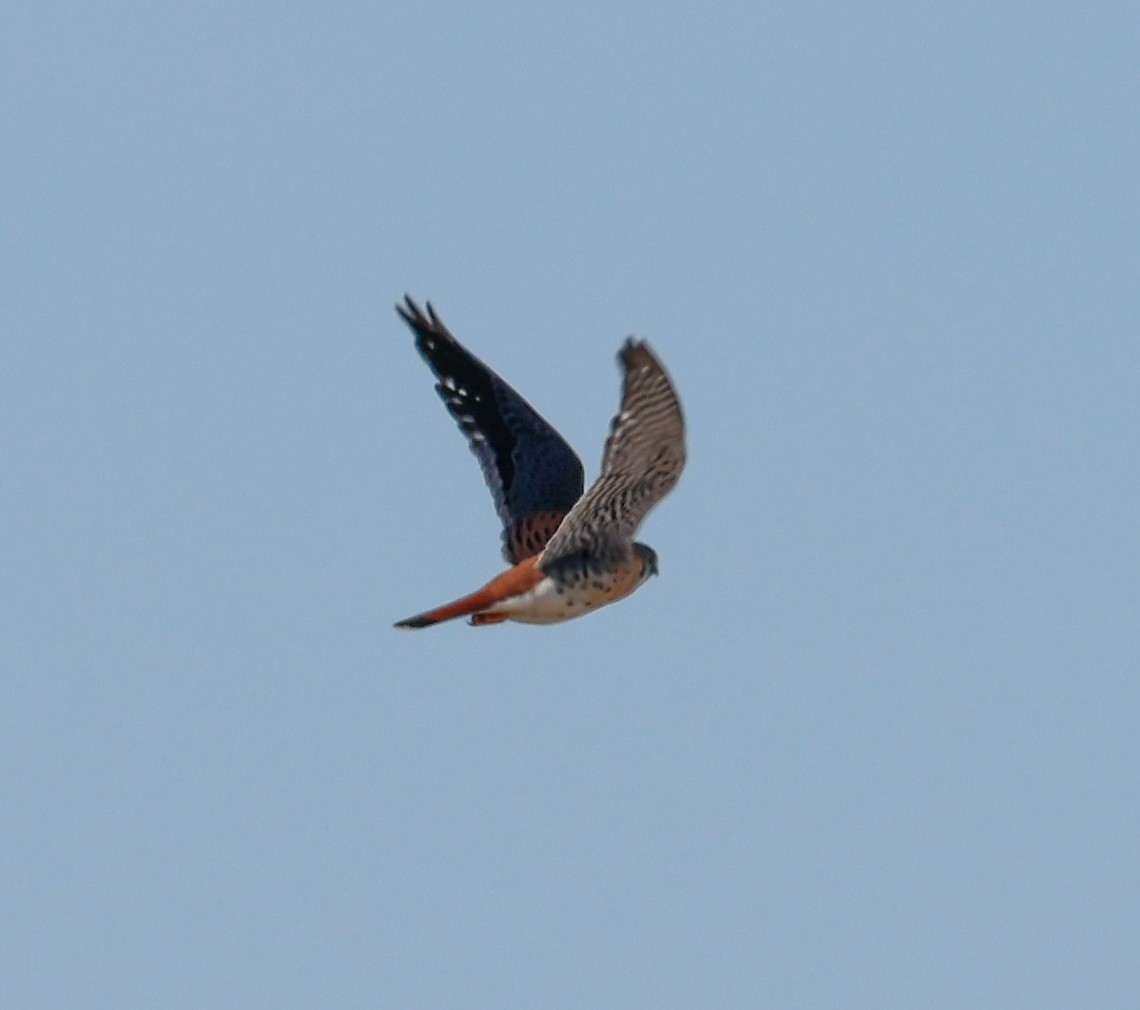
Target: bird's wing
534, 476
644, 455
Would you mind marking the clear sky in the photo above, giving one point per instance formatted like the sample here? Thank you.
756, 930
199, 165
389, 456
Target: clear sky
870, 740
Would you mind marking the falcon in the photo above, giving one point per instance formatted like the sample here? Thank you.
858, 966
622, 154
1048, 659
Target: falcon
570, 553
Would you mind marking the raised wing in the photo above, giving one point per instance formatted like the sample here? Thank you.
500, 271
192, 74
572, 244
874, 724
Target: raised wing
534, 476
644, 456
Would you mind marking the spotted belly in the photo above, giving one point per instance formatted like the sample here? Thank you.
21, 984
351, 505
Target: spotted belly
569, 595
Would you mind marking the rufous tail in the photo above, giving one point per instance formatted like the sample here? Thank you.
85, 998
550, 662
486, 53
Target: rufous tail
525, 575
449, 611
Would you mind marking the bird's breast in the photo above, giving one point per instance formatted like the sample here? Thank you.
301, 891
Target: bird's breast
571, 592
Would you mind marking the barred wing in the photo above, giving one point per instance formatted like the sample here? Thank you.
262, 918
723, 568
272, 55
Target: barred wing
534, 476
643, 459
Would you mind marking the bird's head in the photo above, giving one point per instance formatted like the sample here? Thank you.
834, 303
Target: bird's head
648, 557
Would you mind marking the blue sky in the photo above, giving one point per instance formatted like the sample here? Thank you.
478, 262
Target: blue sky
869, 740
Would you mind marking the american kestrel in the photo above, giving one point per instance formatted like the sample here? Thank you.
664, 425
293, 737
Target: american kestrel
570, 552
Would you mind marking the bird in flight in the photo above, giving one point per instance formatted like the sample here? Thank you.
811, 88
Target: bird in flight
569, 552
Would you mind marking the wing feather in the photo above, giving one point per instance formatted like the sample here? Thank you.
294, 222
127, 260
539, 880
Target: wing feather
533, 475
643, 459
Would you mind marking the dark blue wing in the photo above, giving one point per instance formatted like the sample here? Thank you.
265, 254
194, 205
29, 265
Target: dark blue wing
534, 476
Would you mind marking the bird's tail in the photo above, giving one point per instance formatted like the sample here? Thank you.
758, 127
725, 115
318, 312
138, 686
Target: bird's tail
449, 611
524, 576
